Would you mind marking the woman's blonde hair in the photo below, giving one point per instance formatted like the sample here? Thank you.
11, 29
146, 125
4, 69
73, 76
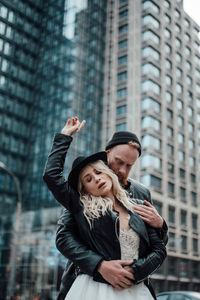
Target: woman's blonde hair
93, 206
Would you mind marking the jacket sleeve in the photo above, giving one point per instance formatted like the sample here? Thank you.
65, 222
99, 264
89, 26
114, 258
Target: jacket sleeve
143, 193
53, 174
146, 265
69, 243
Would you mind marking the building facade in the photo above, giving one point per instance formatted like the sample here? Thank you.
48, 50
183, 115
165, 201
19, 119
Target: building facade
152, 87
51, 58
120, 65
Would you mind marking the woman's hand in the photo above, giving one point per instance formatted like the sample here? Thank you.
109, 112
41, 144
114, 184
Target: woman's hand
72, 126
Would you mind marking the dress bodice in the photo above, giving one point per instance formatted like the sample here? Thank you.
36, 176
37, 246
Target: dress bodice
129, 243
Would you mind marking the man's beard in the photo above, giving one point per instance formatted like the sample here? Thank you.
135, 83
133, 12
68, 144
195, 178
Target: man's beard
122, 181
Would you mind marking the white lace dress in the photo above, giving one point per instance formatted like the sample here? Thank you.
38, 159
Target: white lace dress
85, 288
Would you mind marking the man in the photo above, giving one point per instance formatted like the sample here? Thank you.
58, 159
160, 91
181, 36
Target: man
122, 152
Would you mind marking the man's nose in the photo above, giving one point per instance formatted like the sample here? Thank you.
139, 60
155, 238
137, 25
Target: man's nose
122, 170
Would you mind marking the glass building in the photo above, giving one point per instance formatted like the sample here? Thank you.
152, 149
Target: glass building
51, 68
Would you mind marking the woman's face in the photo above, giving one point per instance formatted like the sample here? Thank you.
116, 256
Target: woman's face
95, 182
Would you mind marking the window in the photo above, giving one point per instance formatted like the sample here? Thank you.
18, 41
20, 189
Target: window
191, 145
171, 214
151, 180
195, 245
187, 37
123, 14
168, 64
150, 103
169, 115
183, 242
150, 51
177, 14
149, 19
186, 23
179, 73
123, 28
168, 49
121, 127
189, 80
178, 58
123, 44
122, 76
192, 162
170, 150
170, 132
151, 122
177, 28
170, 188
167, 19
150, 160
149, 140
198, 102
187, 51
121, 93
194, 221
190, 128
168, 96
170, 168
121, 110
198, 88
190, 111
150, 35
183, 219
168, 80
180, 122
180, 138
2, 28
182, 192
179, 88
182, 173
193, 197
149, 85
150, 68
122, 60
149, 4
181, 156
171, 239
192, 178
167, 4
188, 66
178, 43
167, 33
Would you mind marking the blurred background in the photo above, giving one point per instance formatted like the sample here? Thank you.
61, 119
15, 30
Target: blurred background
120, 65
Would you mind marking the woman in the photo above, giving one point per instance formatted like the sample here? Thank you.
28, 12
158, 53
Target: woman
105, 220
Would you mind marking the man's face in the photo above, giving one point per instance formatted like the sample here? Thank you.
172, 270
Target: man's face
121, 158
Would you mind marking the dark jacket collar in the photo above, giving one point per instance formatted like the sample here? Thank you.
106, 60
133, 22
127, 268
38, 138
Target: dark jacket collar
137, 224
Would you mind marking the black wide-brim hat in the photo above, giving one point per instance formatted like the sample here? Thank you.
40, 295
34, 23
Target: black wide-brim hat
82, 161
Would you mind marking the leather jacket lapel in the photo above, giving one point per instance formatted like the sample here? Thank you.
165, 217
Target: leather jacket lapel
137, 224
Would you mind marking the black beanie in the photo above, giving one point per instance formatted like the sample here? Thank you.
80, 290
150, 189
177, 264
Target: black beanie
123, 137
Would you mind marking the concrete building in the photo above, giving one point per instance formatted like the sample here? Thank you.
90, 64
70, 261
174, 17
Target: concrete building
52, 56
152, 87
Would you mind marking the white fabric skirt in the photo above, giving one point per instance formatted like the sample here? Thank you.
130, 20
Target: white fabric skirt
85, 288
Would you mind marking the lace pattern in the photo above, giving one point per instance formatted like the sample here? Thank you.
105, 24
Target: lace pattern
129, 243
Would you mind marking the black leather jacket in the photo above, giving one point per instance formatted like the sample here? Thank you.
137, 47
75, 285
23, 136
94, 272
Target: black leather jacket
100, 242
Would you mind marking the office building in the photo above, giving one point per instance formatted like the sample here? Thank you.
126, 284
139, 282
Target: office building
51, 58
152, 87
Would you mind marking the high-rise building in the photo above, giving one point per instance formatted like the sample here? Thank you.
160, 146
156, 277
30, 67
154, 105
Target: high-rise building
152, 87
51, 68
121, 65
